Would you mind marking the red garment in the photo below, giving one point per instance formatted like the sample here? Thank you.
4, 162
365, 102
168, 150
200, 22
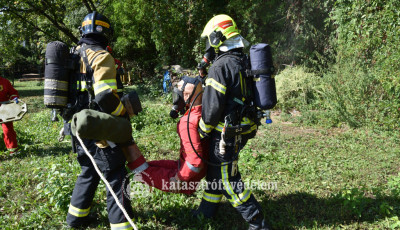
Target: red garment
7, 92
9, 136
118, 63
191, 167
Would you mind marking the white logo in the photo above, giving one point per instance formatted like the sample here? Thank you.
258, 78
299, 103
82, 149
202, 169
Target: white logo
140, 185
99, 29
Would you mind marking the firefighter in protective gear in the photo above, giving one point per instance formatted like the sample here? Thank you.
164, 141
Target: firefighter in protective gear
98, 90
183, 175
7, 92
223, 99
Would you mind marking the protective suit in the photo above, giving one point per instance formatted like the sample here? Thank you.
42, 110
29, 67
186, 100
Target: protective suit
98, 91
7, 92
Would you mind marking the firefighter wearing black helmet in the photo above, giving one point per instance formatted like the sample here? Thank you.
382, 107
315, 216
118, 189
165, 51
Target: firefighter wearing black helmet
223, 102
97, 89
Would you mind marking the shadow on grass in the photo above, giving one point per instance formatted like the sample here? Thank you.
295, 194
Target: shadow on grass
26, 92
303, 210
180, 216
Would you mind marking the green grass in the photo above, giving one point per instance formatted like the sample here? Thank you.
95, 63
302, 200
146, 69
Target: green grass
327, 178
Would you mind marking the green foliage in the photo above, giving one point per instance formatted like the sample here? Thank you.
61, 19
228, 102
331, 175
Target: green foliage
353, 201
394, 185
296, 88
148, 34
367, 46
350, 93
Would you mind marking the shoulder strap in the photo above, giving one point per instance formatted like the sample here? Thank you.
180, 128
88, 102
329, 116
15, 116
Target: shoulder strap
85, 58
89, 69
268, 71
89, 75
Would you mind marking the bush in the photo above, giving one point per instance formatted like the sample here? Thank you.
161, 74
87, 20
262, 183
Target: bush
367, 34
296, 88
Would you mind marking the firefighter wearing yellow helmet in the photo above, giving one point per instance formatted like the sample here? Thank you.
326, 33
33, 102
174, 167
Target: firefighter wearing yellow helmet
219, 29
224, 98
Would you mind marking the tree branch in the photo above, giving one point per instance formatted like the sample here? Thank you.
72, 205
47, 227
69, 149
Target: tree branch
14, 12
54, 21
85, 2
91, 3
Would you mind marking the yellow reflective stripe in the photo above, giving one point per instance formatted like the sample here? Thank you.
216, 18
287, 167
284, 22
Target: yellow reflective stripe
216, 85
220, 126
55, 84
206, 128
243, 197
213, 195
227, 184
121, 226
87, 22
77, 211
61, 99
118, 110
100, 86
245, 121
102, 23
252, 128
54, 96
83, 85
213, 198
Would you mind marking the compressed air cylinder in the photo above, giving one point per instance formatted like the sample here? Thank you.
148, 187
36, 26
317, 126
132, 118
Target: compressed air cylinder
95, 125
264, 83
56, 75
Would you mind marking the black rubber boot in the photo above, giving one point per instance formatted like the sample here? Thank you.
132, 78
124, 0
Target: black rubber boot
258, 223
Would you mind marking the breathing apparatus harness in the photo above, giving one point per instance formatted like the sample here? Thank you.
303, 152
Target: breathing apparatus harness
232, 126
180, 104
191, 143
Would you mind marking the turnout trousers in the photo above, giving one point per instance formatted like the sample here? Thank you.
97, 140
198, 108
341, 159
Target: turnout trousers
225, 180
111, 163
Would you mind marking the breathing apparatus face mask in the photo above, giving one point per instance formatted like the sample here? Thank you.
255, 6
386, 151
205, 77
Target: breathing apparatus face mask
178, 100
132, 103
178, 103
208, 57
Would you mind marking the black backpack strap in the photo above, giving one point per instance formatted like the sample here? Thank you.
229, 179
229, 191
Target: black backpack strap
267, 71
89, 76
89, 69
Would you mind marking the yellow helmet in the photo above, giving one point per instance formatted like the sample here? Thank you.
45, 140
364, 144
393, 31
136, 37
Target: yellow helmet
218, 29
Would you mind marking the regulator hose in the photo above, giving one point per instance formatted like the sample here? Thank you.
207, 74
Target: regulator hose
106, 182
190, 139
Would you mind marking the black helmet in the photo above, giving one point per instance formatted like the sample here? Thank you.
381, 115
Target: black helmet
95, 23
